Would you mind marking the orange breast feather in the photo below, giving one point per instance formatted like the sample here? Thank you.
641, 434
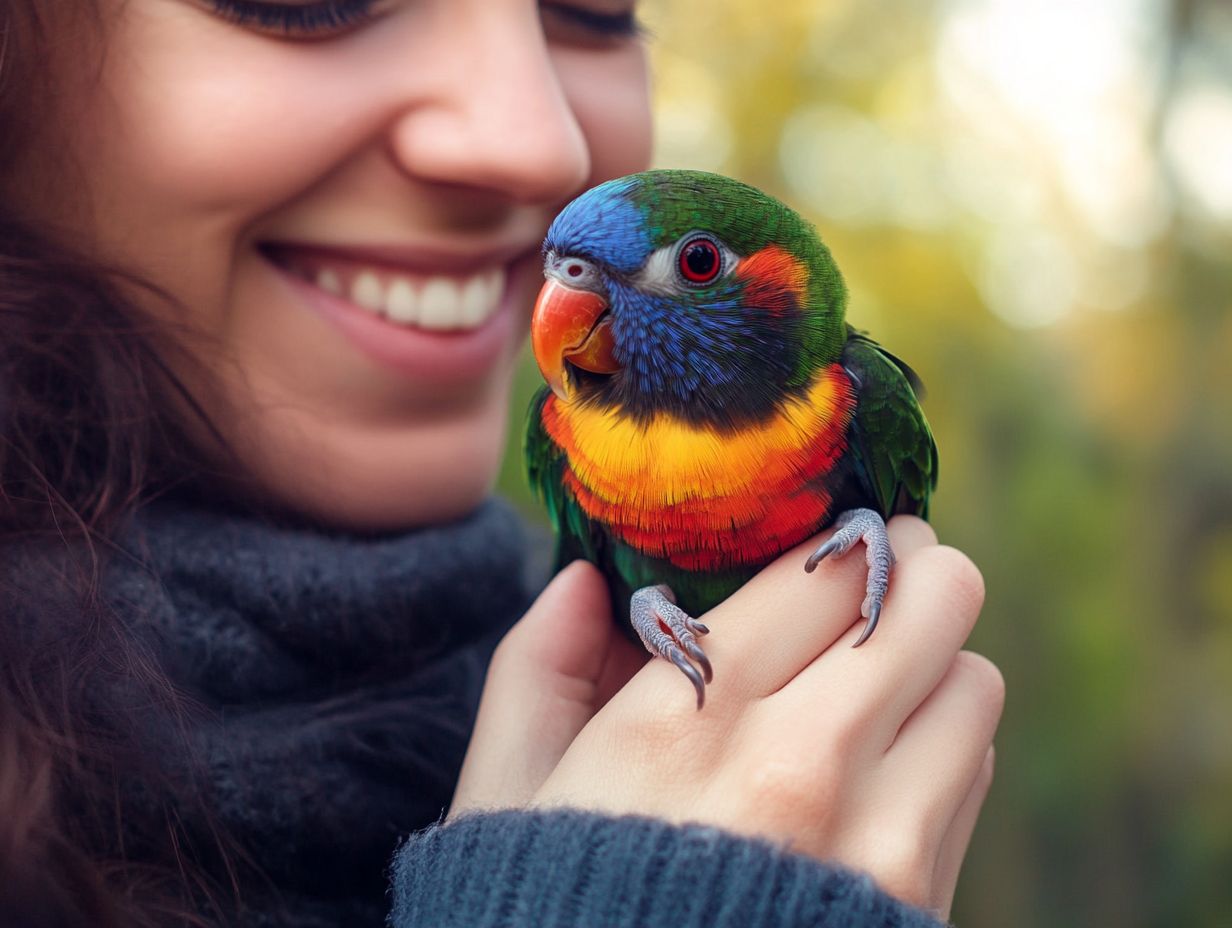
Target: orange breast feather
700, 499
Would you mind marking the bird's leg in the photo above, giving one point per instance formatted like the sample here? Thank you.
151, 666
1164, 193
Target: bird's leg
867, 526
669, 632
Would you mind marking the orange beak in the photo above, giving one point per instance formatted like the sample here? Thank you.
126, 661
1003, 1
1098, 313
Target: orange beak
566, 326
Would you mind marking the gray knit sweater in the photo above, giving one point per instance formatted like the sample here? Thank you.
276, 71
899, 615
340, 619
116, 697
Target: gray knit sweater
335, 680
576, 870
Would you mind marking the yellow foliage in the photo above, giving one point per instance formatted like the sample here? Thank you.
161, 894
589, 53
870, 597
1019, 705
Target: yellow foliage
1008, 223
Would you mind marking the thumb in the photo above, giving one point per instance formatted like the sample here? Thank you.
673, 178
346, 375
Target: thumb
552, 672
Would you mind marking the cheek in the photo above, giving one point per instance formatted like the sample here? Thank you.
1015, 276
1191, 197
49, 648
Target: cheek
610, 96
215, 128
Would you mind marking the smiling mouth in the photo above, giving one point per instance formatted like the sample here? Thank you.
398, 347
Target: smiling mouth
436, 302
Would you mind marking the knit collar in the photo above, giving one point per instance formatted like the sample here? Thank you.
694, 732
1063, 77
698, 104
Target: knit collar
246, 609
338, 674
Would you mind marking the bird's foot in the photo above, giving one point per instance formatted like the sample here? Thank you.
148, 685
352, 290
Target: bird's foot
671, 633
867, 526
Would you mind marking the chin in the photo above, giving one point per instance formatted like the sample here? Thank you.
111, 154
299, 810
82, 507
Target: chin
426, 504
379, 479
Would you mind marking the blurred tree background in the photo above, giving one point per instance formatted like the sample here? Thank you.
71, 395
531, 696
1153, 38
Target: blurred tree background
1032, 203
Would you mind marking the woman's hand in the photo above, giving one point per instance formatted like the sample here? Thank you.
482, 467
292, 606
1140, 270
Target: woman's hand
878, 758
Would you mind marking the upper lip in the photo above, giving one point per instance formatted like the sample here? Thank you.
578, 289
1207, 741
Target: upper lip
412, 258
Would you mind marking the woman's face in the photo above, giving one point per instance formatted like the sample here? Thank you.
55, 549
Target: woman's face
350, 211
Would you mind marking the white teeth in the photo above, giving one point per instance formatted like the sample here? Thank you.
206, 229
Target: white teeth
475, 301
401, 304
328, 281
438, 302
366, 290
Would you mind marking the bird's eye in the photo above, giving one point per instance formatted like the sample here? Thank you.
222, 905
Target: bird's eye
700, 261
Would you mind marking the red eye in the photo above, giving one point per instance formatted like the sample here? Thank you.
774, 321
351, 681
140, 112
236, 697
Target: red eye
700, 261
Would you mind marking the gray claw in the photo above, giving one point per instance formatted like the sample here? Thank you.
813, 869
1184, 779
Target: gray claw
691, 672
850, 527
873, 615
669, 632
820, 555
703, 661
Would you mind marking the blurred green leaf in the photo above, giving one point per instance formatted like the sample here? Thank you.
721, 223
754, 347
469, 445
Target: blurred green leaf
1026, 201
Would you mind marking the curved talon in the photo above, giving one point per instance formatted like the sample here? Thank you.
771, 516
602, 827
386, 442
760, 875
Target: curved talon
873, 615
699, 655
868, 526
669, 632
820, 555
691, 672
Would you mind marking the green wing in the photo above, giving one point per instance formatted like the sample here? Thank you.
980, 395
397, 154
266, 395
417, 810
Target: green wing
545, 464
892, 447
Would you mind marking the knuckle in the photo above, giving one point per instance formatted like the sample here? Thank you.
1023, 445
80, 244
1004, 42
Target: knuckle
985, 677
961, 575
780, 784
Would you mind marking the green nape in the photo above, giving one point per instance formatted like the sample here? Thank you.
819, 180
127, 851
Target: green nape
675, 202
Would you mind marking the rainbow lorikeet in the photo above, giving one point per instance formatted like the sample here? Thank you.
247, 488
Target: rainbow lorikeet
707, 405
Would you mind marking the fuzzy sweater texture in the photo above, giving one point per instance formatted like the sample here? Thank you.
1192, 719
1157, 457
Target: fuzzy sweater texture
335, 679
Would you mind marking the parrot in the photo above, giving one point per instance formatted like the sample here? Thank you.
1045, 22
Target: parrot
707, 407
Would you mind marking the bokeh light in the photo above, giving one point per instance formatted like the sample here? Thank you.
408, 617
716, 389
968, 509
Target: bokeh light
1032, 203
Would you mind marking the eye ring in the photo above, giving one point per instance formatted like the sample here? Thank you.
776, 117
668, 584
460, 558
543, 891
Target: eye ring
700, 260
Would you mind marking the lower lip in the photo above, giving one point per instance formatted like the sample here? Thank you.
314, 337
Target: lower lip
442, 357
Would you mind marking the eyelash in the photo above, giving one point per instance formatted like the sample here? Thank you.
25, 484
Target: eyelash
607, 25
320, 18
330, 16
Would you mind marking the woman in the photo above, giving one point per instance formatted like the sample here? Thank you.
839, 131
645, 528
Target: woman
264, 269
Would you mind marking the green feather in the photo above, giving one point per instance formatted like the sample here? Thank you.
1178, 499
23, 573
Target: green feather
891, 446
891, 458
676, 202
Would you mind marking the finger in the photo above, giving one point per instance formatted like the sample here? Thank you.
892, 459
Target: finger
924, 783
549, 676
777, 624
941, 749
906, 534
923, 652
934, 600
570, 644
956, 841
909, 534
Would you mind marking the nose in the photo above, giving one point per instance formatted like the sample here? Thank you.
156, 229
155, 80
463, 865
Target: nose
498, 118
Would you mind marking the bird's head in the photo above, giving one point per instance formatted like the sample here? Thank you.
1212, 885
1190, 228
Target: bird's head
685, 293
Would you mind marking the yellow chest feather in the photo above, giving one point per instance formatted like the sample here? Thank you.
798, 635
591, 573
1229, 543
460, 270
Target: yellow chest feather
667, 462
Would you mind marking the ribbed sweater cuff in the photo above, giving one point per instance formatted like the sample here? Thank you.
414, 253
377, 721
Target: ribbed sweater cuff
569, 869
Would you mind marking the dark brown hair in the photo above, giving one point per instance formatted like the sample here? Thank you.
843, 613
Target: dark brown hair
92, 420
